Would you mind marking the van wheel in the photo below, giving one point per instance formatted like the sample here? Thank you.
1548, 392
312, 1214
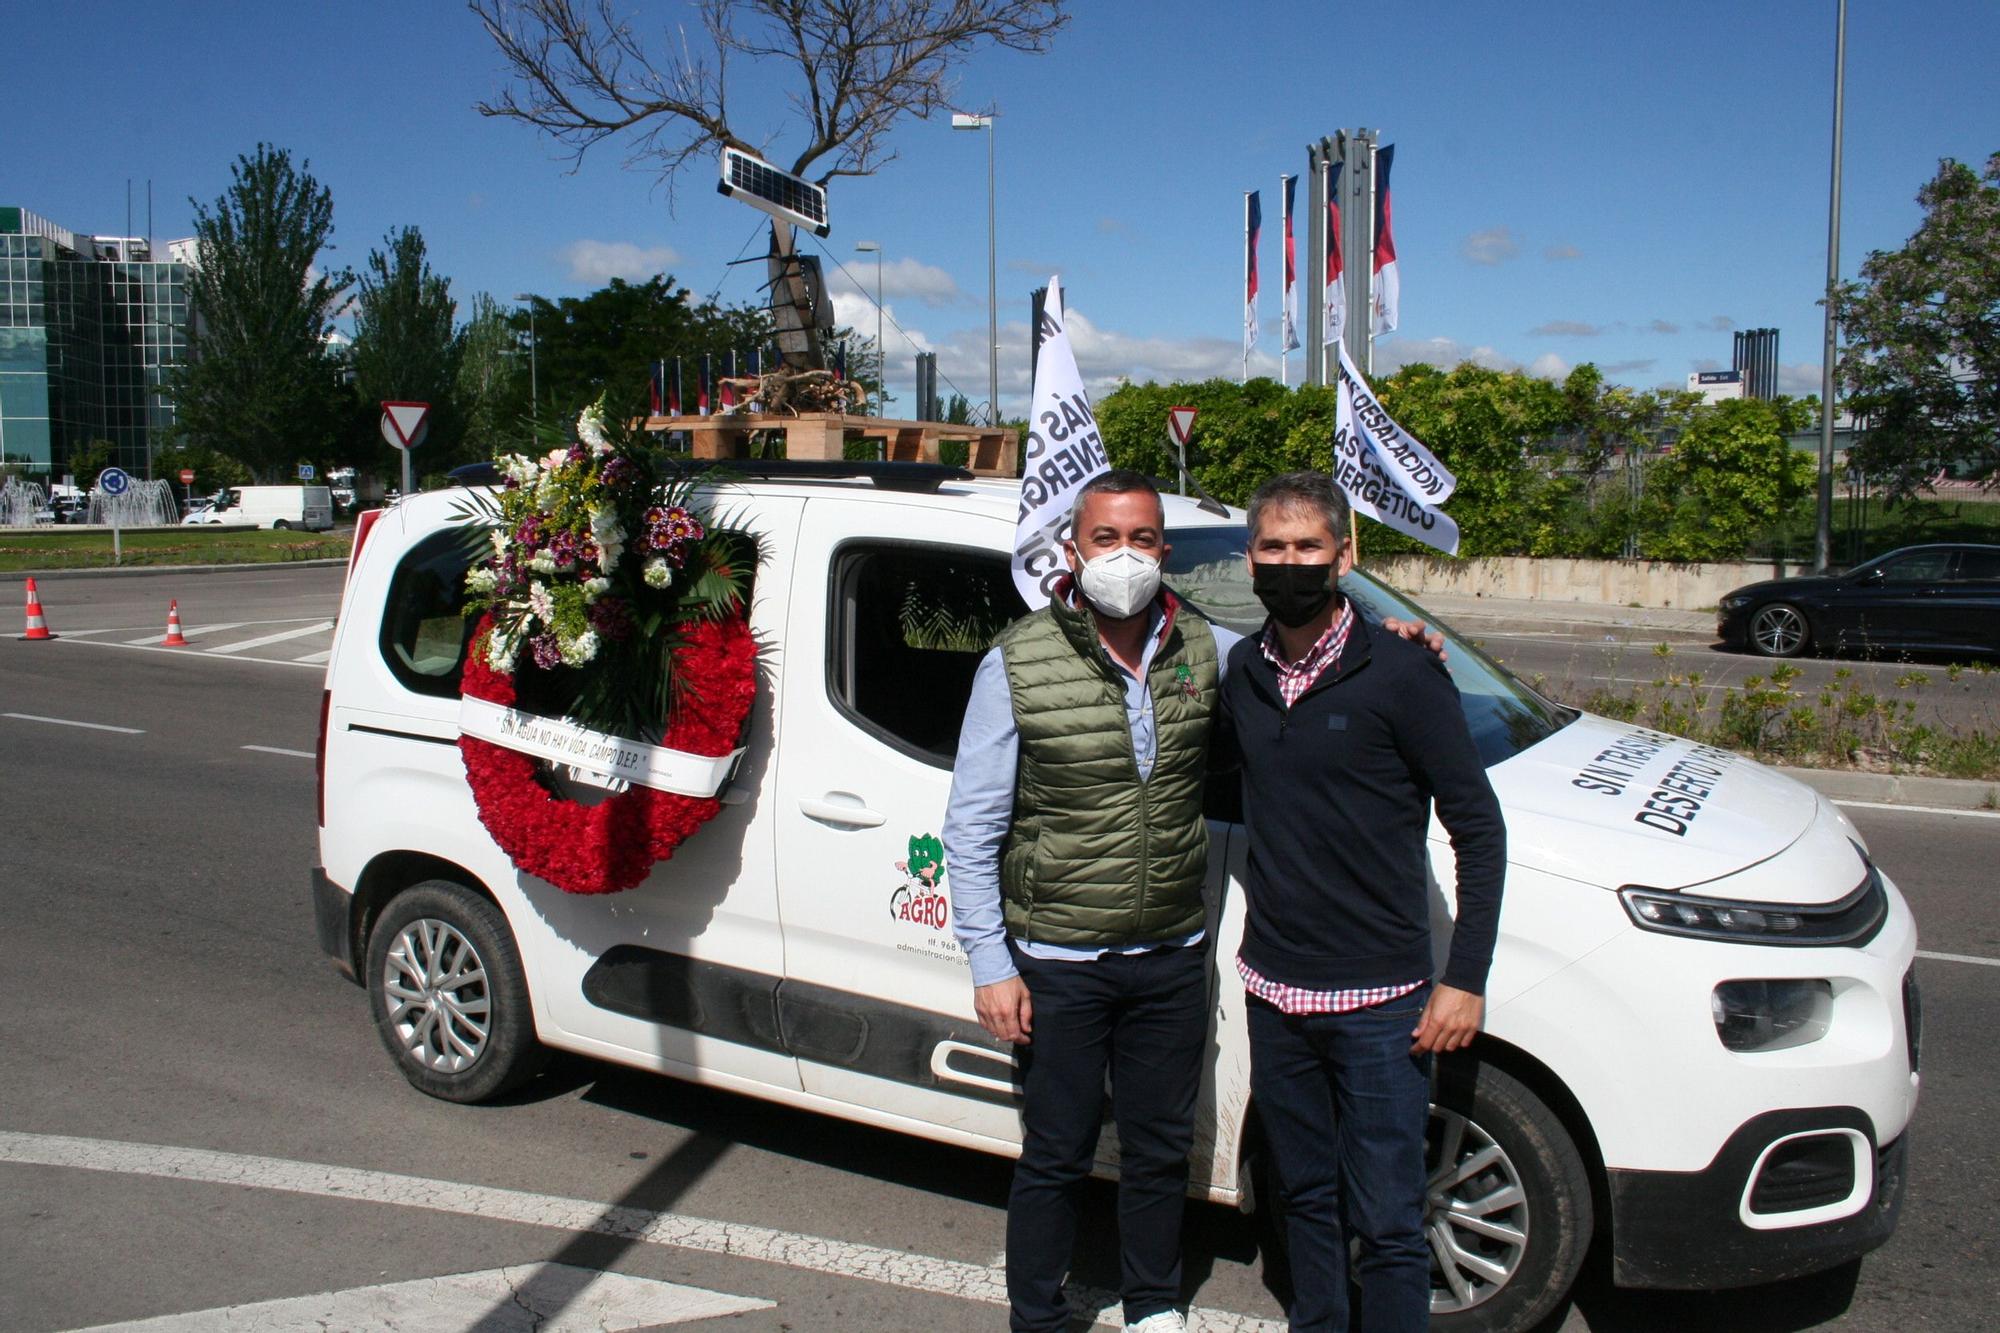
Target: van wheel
279, 525
449, 995
1508, 1212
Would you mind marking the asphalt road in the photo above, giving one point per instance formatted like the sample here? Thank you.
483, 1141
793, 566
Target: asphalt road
163, 990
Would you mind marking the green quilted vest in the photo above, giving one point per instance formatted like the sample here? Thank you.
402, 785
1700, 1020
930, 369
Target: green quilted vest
1095, 857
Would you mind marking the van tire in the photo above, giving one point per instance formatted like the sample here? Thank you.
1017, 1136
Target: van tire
279, 525
1489, 1108
464, 1042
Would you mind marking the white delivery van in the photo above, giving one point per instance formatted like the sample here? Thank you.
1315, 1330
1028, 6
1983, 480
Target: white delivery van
1702, 1019
306, 508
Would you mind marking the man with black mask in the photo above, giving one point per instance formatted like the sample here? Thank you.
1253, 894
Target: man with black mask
1346, 735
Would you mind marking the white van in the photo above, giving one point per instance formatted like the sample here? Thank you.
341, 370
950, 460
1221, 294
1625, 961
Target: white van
1702, 1019
307, 508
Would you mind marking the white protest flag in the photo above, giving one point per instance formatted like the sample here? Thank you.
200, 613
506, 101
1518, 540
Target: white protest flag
1063, 450
1386, 472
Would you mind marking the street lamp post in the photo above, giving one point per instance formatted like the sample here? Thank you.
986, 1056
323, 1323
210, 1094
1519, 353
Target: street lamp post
534, 387
881, 359
985, 122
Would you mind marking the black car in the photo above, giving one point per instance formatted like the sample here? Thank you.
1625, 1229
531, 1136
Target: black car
1940, 599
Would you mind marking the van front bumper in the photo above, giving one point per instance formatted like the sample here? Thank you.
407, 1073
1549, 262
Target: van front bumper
1749, 1217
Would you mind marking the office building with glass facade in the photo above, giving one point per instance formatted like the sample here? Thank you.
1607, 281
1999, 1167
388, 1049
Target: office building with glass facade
90, 326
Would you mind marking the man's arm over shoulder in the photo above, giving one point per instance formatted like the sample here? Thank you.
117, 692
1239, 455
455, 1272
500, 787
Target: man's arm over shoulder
1435, 741
976, 820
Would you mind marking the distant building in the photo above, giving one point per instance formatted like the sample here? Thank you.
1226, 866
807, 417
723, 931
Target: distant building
89, 328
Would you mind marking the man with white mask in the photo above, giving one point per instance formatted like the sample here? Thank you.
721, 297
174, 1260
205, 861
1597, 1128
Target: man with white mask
1078, 852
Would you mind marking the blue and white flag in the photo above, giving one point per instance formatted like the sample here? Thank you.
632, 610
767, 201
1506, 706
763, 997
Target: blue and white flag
1063, 450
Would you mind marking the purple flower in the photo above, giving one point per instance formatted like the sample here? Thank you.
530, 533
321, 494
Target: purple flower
548, 653
563, 547
617, 472
611, 617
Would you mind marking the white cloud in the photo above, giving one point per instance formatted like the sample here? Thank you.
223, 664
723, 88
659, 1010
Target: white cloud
1799, 378
1548, 366
1392, 354
1495, 245
1717, 324
598, 262
1662, 326
1559, 253
907, 277
1566, 328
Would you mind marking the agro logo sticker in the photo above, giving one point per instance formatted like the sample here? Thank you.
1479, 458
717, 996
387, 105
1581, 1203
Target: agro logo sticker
919, 899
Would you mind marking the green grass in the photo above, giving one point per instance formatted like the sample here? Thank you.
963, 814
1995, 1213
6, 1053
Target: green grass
1871, 527
57, 549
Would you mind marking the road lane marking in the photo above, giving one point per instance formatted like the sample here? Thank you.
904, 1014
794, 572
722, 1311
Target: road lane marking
190, 633
273, 638
272, 749
154, 646
315, 659
548, 1298
1918, 809
66, 722
819, 1254
1958, 958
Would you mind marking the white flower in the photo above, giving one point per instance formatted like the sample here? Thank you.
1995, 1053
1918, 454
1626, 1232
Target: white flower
595, 588
577, 651
480, 580
519, 467
590, 427
500, 650
659, 574
540, 602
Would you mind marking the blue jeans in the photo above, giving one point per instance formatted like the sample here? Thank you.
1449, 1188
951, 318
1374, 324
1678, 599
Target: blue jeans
1344, 1105
1145, 1017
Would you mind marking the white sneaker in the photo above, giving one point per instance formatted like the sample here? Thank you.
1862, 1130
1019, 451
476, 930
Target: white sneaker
1166, 1321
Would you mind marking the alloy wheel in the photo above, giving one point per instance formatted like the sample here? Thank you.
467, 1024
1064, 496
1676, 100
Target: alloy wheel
1779, 631
1475, 1214
437, 997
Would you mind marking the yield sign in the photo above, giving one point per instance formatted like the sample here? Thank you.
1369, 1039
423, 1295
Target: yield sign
403, 423
1180, 423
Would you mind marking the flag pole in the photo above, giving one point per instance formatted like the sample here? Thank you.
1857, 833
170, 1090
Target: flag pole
1247, 308
1284, 290
1374, 194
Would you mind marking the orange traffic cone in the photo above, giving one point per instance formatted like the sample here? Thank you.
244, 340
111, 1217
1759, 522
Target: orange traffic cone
38, 627
173, 639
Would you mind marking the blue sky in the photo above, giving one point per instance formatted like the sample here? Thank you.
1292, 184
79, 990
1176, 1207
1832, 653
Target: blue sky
1623, 184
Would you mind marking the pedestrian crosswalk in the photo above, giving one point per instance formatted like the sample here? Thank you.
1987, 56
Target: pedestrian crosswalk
305, 641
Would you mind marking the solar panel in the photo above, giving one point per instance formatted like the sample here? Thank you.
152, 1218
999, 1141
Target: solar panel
782, 195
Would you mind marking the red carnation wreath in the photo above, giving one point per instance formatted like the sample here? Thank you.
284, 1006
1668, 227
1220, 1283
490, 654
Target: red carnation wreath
613, 844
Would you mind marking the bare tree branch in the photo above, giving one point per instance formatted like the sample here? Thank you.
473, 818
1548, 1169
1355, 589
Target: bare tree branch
581, 75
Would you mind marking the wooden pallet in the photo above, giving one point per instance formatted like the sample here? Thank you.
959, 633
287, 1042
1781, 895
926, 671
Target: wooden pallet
991, 452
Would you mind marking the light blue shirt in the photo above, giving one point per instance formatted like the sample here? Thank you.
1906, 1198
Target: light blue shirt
982, 806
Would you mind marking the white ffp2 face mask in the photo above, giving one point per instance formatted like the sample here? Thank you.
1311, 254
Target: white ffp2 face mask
1120, 583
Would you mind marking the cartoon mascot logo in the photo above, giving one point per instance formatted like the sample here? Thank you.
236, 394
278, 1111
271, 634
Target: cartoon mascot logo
920, 899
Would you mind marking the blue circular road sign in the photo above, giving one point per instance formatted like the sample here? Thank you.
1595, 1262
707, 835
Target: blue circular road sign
114, 481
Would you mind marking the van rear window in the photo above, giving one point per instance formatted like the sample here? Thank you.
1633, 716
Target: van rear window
424, 627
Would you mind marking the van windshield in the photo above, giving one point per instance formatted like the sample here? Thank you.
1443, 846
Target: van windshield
1206, 569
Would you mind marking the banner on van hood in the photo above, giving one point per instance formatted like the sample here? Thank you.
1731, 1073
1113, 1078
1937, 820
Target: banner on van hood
1063, 451
596, 756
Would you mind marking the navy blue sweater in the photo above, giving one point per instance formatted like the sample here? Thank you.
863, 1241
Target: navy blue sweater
1337, 792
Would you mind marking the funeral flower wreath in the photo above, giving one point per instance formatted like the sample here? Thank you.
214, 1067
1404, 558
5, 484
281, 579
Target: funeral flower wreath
611, 658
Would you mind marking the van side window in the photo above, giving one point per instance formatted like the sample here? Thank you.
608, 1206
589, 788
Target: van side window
909, 625
424, 628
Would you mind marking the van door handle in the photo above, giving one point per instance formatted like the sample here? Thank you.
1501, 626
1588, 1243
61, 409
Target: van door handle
839, 807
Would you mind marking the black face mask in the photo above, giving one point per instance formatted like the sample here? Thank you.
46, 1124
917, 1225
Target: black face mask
1293, 594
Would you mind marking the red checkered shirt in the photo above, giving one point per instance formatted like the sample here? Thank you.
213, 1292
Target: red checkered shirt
1294, 679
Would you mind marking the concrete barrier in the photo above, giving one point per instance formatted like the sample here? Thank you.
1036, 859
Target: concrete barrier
1659, 583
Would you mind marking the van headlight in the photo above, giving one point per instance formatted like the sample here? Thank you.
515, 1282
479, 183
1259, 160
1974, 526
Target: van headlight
1771, 1015
1850, 920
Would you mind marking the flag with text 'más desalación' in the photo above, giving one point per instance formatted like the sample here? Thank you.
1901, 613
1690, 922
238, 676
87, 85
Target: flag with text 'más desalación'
1387, 473
1063, 450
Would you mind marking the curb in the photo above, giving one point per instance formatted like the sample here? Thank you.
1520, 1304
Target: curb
145, 571
1895, 789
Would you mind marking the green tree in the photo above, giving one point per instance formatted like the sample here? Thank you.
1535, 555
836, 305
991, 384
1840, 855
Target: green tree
1922, 363
606, 343
492, 388
212, 470
406, 347
260, 385
1731, 474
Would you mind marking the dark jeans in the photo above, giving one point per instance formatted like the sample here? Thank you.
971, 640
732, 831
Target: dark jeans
1145, 1017
1344, 1106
